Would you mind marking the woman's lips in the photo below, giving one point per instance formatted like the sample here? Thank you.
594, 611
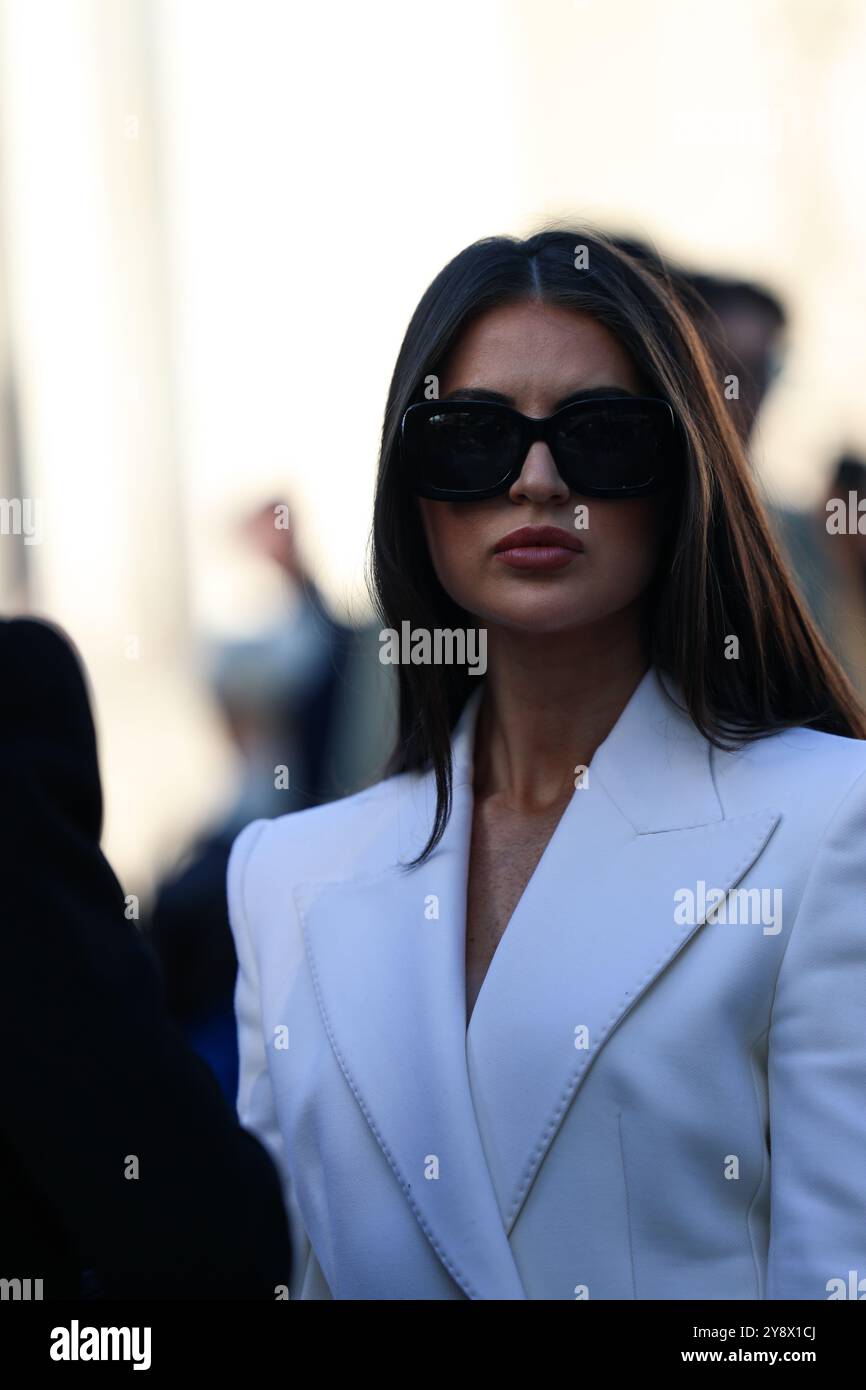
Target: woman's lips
537, 557
538, 548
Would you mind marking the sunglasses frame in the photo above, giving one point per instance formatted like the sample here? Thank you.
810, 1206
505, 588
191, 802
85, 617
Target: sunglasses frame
532, 428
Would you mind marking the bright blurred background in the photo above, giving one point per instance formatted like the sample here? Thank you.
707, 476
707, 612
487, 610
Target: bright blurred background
216, 217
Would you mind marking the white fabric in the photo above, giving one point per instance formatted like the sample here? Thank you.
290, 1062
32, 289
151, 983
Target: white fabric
708, 1142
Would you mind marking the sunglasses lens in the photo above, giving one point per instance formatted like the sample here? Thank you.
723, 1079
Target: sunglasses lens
466, 451
619, 447
613, 446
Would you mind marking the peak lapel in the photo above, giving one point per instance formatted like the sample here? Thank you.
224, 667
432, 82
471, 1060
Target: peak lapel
387, 956
596, 926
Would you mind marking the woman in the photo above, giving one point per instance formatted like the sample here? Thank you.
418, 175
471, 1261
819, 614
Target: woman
573, 1004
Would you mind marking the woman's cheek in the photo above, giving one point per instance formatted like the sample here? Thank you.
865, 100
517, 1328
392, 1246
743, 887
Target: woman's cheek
623, 544
458, 547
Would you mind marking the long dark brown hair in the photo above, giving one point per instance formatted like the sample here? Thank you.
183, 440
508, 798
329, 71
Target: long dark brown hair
721, 572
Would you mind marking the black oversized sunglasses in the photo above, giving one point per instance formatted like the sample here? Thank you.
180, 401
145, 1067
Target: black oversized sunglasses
612, 446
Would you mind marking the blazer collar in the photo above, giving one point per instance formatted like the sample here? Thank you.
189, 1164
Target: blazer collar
464, 1131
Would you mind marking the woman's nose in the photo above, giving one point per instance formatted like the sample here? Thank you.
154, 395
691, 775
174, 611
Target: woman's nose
539, 480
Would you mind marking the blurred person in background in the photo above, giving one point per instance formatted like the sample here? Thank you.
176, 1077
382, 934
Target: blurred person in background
310, 711
744, 326
123, 1172
843, 549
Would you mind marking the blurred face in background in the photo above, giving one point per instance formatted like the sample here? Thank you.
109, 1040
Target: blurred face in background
531, 356
751, 351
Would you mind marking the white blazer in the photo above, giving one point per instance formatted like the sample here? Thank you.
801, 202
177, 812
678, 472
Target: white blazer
646, 1104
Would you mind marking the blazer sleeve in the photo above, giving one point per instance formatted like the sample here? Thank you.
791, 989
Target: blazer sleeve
817, 1075
255, 1102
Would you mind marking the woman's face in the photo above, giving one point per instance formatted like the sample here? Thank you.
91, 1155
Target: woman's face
531, 356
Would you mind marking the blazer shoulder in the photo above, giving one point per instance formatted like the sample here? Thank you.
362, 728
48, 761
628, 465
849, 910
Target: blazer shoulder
326, 842
799, 768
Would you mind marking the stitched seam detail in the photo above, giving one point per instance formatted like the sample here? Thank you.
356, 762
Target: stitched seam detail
419, 1215
626, 1003
767, 816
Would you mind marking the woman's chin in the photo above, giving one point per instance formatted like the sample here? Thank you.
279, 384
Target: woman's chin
538, 619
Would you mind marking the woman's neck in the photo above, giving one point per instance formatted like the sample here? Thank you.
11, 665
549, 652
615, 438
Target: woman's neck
549, 701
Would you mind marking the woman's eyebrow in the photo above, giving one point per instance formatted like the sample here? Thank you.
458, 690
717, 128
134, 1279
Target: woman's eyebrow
476, 393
